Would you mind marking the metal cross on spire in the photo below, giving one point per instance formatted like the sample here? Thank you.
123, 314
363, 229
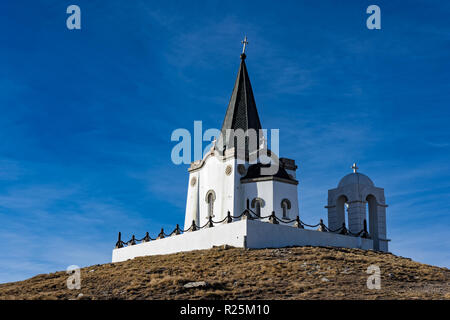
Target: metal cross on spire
245, 43
213, 145
355, 168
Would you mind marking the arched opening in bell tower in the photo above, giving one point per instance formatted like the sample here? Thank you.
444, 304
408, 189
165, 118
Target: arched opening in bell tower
372, 221
341, 208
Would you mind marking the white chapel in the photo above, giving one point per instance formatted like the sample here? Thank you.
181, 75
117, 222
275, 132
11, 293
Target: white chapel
223, 181
242, 194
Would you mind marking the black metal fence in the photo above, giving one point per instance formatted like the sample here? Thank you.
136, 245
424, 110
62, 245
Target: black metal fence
247, 214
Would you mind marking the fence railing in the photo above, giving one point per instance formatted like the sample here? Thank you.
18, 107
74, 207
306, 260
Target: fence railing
247, 214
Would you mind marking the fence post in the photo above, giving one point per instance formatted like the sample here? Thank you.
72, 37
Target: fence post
322, 226
119, 241
161, 234
344, 229
365, 234
247, 215
298, 223
146, 238
210, 222
273, 218
176, 231
229, 218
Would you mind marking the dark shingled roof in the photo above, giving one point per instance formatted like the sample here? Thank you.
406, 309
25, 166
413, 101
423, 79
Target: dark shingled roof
241, 112
254, 171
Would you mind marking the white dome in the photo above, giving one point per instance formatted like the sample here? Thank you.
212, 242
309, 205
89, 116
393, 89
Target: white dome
355, 178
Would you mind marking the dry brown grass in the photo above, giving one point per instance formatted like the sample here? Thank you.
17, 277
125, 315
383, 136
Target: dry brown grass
288, 273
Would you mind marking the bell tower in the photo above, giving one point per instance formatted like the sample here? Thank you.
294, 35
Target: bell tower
357, 198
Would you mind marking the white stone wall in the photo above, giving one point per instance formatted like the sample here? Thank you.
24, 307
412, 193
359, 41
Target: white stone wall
211, 176
285, 191
240, 198
356, 215
192, 202
232, 234
244, 233
263, 190
272, 192
267, 235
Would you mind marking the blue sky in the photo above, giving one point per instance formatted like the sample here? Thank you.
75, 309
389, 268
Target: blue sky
86, 116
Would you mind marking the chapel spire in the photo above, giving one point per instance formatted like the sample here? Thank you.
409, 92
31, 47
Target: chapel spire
241, 112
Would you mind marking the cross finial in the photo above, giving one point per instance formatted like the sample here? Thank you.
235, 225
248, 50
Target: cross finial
354, 167
245, 43
214, 144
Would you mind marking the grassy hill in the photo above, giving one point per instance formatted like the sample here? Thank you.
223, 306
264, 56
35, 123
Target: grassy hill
230, 273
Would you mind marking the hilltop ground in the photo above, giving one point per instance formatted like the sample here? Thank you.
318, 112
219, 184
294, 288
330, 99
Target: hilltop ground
230, 273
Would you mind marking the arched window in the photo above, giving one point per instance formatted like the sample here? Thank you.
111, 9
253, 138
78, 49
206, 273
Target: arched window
257, 204
285, 206
210, 205
258, 208
210, 198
